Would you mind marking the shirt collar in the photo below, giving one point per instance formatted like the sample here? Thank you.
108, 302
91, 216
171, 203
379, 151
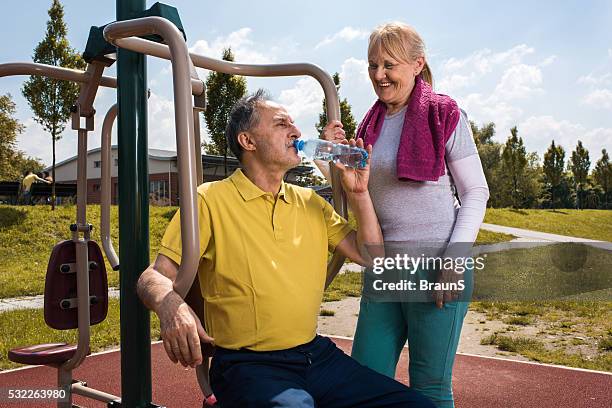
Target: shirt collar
249, 191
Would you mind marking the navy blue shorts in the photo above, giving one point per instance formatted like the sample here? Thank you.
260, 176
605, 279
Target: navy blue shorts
316, 374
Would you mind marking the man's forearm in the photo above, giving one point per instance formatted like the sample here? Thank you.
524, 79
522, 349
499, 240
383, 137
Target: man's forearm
369, 234
153, 289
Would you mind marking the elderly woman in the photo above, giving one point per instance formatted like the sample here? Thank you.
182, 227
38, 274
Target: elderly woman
423, 157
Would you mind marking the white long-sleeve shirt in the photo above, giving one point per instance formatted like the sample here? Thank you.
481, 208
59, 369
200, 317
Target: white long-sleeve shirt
428, 211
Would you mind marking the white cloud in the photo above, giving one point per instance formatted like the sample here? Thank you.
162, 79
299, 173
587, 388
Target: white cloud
519, 81
592, 80
304, 100
304, 103
539, 131
346, 34
599, 98
243, 47
36, 142
482, 109
488, 85
162, 133
457, 74
452, 83
547, 61
355, 85
484, 61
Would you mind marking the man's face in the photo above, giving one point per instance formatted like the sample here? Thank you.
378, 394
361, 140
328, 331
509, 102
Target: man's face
274, 136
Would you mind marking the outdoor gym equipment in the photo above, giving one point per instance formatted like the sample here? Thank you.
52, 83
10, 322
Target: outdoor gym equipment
99, 55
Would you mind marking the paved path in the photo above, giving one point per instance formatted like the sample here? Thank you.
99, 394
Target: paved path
524, 235
478, 382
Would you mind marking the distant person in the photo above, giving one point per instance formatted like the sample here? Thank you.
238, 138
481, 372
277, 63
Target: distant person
47, 176
30, 178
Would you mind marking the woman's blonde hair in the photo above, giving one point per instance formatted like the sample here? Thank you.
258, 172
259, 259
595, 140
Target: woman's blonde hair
402, 43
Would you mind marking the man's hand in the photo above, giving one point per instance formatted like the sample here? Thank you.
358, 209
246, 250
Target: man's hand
355, 180
181, 331
333, 132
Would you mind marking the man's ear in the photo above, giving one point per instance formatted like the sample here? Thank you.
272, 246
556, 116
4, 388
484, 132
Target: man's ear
246, 140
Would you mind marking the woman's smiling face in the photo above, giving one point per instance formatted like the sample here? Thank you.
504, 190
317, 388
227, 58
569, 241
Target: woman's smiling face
392, 80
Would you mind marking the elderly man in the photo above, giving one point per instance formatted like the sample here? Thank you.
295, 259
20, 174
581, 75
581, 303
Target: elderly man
263, 248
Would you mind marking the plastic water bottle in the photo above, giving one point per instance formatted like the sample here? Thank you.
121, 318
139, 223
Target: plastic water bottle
318, 149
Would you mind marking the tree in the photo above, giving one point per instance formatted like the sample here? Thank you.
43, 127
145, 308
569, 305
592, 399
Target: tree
222, 92
51, 99
23, 163
554, 163
346, 116
490, 157
513, 166
484, 134
602, 175
531, 184
579, 165
9, 129
13, 162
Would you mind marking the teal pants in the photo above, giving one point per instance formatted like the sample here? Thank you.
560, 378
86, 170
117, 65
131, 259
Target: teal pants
432, 334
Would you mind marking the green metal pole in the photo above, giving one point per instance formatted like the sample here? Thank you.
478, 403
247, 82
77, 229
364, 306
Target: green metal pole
133, 217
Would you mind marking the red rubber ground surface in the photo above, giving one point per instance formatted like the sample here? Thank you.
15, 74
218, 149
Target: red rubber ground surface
478, 382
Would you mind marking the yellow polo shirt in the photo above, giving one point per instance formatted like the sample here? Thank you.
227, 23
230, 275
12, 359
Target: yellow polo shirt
262, 261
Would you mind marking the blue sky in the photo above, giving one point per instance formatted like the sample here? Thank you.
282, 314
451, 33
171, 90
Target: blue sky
543, 66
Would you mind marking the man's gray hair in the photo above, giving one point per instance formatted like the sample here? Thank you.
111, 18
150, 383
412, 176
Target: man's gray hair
243, 117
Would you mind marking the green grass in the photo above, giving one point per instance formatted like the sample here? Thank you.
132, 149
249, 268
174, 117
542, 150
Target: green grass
326, 312
28, 234
31, 329
512, 344
594, 314
518, 320
605, 343
590, 320
345, 284
536, 350
593, 224
489, 237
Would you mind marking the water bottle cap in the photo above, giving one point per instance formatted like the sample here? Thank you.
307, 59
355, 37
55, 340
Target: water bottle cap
364, 158
298, 144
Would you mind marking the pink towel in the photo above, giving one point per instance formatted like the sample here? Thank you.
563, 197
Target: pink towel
430, 120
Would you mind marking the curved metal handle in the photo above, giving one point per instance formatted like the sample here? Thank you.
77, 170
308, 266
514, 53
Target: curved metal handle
105, 199
294, 69
50, 71
183, 109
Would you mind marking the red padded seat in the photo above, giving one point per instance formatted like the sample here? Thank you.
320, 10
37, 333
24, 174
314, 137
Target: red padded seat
43, 354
